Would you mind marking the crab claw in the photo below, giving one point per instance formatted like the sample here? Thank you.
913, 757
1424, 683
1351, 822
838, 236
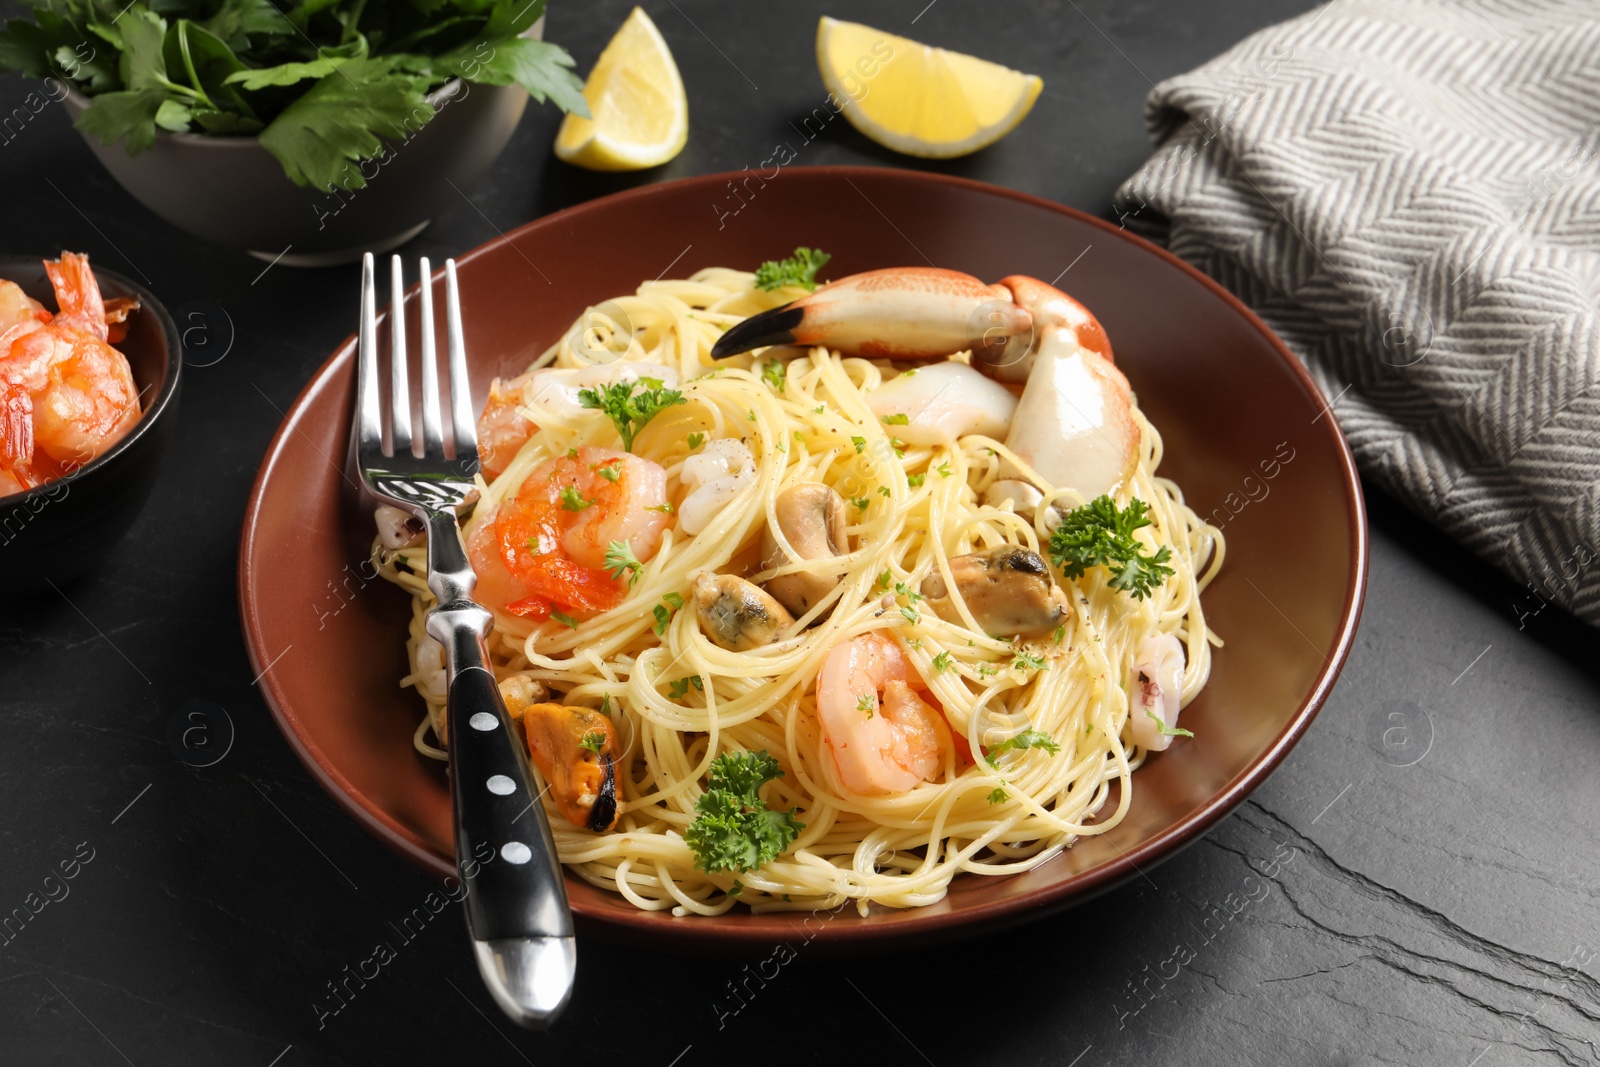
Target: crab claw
1074, 423
899, 313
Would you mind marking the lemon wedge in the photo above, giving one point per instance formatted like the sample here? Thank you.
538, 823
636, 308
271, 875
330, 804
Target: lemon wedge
917, 99
640, 114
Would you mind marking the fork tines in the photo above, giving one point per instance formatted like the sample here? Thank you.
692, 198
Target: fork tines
371, 402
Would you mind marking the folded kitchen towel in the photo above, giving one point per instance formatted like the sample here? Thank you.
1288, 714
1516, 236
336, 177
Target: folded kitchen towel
1408, 192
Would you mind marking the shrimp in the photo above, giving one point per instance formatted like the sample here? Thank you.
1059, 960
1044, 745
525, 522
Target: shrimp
545, 548
66, 395
507, 422
883, 736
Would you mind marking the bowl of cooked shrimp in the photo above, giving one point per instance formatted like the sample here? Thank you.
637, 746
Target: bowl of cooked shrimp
90, 368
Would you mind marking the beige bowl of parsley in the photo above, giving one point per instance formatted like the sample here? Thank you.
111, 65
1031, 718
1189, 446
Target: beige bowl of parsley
304, 132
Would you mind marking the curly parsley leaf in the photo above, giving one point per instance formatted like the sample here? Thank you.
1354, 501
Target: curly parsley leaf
1099, 534
799, 269
620, 561
630, 410
734, 830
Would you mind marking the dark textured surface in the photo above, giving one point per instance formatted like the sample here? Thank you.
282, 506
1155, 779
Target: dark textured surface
1357, 910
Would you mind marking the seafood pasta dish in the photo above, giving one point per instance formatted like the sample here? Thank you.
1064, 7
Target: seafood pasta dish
66, 395
814, 594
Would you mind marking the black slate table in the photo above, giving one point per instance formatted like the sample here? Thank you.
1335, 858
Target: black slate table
1416, 884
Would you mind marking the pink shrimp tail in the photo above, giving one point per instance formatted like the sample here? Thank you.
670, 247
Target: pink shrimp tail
77, 293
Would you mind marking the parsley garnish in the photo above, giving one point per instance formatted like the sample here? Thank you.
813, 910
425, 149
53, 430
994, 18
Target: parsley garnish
620, 560
1026, 739
564, 619
860, 443
864, 702
665, 509
571, 500
860, 502
997, 794
883, 491
884, 579
610, 474
819, 408
910, 613
944, 470
915, 480
799, 269
734, 829
942, 662
593, 742
628, 410
897, 419
772, 374
696, 440
906, 591
679, 689
1022, 661
1057, 634
1099, 535
670, 603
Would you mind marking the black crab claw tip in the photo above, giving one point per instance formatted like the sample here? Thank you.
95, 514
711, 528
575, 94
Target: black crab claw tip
775, 327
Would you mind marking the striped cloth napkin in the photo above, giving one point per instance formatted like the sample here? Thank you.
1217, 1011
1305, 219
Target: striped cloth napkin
1408, 192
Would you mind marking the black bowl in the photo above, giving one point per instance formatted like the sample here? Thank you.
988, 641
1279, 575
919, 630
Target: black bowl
56, 531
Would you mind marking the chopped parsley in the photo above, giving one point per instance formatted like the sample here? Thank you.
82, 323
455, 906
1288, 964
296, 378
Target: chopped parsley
1098, 534
865, 703
897, 419
910, 614
572, 500
696, 440
1026, 739
663, 612
883, 491
620, 561
860, 502
915, 480
564, 619
942, 662
593, 742
884, 579
629, 410
997, 795
610, 474
679, 689
820, 408
860, 443
1058, 634
1022, 661
944, 469
799, 269
906, 591
665, 509
772, 374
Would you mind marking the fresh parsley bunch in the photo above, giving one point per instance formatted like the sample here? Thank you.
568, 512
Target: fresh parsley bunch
734, 829
1098, 534
319, 81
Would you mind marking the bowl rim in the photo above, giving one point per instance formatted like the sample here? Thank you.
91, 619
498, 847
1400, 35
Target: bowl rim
166, 389
663, 927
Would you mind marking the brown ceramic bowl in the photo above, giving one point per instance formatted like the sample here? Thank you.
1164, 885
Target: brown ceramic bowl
1246, 437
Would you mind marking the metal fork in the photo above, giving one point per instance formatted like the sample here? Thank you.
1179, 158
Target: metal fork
516, 900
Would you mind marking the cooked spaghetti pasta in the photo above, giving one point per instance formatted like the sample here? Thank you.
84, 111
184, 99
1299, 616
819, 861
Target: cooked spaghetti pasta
678, 699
